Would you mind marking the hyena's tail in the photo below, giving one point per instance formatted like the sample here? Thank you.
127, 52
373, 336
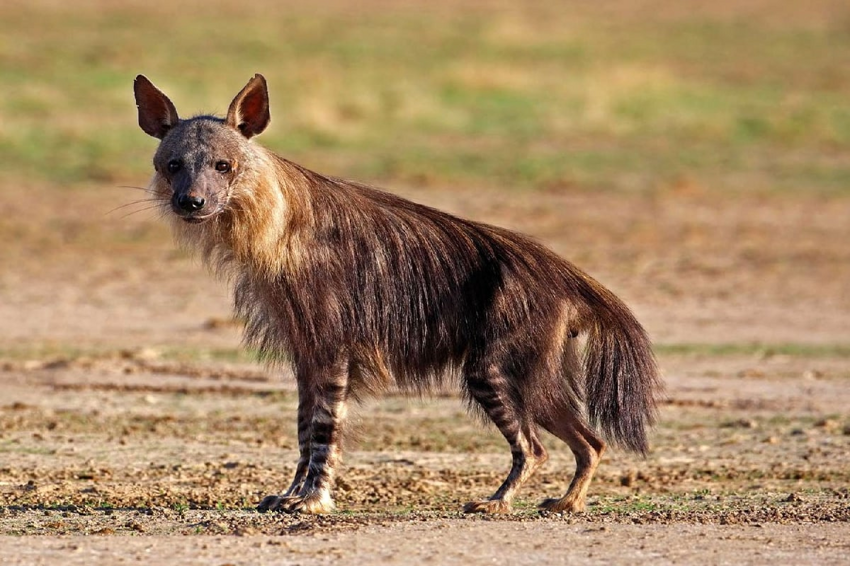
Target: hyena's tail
622, 386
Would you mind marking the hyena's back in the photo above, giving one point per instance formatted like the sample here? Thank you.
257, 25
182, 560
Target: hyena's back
412, 292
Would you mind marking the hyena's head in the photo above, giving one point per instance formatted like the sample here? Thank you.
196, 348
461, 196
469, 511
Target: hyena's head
200, 160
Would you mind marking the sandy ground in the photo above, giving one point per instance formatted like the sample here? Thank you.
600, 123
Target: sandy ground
462, 542
121, 442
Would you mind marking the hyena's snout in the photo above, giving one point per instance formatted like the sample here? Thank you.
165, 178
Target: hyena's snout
196, 200
188, 202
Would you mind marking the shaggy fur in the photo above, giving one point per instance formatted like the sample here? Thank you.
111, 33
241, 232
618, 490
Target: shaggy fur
358, 289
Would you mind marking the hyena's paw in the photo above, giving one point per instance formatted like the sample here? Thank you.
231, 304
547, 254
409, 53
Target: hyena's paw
488, 506
274, 503
316, 502
565, 504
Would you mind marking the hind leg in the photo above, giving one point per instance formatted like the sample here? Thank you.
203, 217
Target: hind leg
587, 448
492, 392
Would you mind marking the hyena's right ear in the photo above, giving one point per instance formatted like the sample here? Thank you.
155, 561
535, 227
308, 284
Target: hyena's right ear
157, 114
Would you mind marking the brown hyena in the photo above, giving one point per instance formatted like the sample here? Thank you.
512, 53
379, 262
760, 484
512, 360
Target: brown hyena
358, 289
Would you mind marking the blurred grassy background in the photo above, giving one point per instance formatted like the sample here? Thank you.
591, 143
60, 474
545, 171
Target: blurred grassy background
615, 96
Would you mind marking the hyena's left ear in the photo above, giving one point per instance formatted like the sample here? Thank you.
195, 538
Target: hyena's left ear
249, 111
157, 114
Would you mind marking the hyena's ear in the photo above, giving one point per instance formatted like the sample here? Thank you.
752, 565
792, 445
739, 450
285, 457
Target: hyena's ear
249, 111
157, 114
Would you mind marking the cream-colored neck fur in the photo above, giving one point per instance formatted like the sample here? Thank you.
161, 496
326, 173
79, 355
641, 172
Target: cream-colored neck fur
256, 230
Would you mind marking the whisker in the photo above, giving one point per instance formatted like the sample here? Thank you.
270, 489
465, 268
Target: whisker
132, 187
140, 210
142, 201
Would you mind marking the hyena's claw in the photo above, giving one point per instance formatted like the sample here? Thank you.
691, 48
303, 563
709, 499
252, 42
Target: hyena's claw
488, 506
271, 503
554, 505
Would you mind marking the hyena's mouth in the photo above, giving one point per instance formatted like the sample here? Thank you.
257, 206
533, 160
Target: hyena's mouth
195, 219
199, 218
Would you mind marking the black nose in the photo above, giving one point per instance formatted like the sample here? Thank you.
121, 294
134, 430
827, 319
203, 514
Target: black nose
190, 203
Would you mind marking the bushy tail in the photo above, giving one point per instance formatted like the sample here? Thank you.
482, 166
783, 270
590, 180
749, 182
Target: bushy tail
622, 383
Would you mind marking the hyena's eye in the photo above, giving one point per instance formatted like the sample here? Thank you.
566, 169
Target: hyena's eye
174, 166
222, 166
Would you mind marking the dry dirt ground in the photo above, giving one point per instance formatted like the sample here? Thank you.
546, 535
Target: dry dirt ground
130, 432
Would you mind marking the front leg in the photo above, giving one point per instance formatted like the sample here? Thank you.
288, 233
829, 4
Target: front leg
329, 390
306, 408
325, 448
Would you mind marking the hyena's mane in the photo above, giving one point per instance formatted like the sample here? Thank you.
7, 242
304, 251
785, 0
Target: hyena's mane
409, 293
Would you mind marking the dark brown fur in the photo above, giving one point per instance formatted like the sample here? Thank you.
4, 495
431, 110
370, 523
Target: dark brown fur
358, 289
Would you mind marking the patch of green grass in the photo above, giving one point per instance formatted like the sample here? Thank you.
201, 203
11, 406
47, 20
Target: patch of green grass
40, 352
481, 96
59, 351
67, 352
16, 448
233, 355
756, 349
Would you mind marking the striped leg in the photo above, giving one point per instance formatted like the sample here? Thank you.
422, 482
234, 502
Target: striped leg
306, 406
492, 392
330, 391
